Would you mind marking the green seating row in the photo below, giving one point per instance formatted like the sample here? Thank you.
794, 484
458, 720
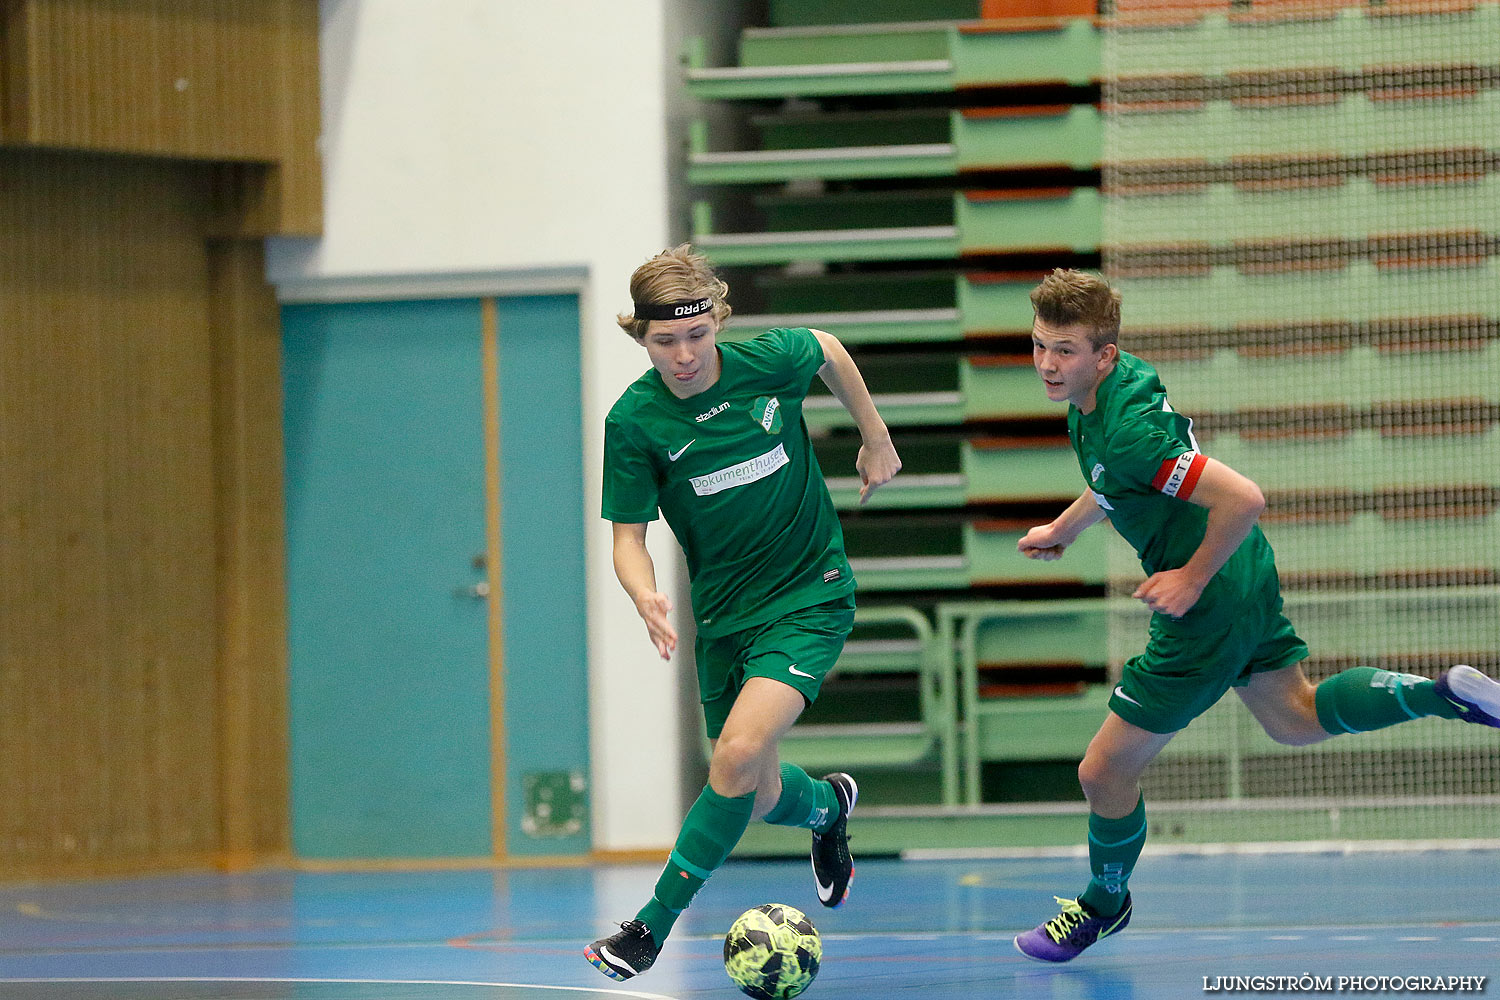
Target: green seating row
1353, 124
934, 56
1369, 544
918, 57
988, 556
1363, 461
1223, 213
885, 146
1358, 377
797, 13
1350, 39
976, 223
1225, 382
984, 391
968, 305
987, 472
1363, 544
1358, 291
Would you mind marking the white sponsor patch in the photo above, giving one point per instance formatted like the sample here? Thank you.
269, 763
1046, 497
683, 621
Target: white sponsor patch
742, 474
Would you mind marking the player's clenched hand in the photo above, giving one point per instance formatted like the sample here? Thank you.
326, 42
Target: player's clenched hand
877, 464
1041, 542
1172, 592
654, 607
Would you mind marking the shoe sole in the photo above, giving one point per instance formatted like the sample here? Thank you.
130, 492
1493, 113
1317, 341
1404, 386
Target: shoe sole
1476, 689
1045, 961
603, 966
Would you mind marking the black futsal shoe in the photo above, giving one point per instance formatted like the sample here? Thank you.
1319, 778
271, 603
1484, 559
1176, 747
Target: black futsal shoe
833, 866
629, 952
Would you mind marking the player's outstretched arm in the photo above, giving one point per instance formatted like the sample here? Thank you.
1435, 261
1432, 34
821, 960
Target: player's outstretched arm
1047, 541
637, 574
1234, 504
877, 462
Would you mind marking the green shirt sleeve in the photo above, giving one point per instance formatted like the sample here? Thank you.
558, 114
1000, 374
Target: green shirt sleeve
792, 356
1139, 451
630, 493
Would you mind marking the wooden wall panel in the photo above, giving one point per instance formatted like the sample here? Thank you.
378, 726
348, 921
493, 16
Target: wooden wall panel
112, 734
253, 766
232, 82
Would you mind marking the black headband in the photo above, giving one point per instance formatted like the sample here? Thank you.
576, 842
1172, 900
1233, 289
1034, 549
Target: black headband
673, 310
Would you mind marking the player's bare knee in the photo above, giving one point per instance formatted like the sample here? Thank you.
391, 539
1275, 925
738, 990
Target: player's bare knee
1097, 777
737, 766
1295, 721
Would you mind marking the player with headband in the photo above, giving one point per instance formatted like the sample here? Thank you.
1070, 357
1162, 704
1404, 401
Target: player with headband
712, 437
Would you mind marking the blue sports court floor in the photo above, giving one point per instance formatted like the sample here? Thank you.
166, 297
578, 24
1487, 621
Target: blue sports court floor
927, 930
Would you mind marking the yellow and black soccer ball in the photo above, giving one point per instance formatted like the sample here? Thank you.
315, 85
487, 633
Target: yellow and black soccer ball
772, 952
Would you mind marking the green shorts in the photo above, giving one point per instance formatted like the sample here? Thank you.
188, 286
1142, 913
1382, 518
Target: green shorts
797, 649
1182, 674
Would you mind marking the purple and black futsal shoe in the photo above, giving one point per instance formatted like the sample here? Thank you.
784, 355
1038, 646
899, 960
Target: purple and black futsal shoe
833, 865
1062, 938
1476, 696
627, 953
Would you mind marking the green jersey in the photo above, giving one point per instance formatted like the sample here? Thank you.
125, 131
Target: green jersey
733, 471
1142, 463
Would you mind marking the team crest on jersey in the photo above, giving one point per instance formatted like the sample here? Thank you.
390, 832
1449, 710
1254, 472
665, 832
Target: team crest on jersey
766, 411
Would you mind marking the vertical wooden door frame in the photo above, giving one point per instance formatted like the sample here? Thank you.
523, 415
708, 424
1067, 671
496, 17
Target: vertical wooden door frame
489, 325
487, 287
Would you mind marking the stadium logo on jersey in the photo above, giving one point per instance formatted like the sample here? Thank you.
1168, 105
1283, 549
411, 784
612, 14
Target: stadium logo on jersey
766, 411
712, 413
742, 474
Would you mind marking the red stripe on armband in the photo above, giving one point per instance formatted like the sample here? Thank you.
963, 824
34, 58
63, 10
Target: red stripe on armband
1177, 476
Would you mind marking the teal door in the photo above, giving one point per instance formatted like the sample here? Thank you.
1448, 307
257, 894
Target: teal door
397, 733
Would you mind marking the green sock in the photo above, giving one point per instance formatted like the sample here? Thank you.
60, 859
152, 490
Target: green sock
1360, 699
805, 801
713, 826
1114, 846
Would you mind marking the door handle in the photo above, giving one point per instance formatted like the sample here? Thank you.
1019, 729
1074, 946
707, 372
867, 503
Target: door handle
478, 591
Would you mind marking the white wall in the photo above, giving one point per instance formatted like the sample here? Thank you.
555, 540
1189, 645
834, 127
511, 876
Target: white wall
488, 135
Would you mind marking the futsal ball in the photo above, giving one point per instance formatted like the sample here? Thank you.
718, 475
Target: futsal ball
772, 952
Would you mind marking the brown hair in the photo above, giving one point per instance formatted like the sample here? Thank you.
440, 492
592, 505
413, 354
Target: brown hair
1077, 298
674, 276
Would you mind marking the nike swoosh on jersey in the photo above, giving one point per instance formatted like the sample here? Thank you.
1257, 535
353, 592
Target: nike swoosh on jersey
673, 456
800, 673
1120, 692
